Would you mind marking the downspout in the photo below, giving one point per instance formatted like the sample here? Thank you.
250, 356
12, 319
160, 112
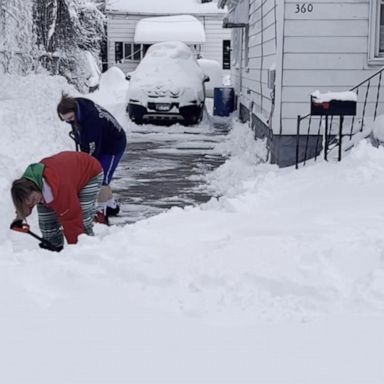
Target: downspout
277, 121
241, 68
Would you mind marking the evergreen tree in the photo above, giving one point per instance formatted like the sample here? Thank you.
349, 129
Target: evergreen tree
65, 29
53, 33
17, 42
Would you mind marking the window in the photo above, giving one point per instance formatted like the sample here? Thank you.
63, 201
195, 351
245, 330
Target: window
226, 54
145, 48
381, 34
136, 53
376, 33
129, 51
246, 46
118, 51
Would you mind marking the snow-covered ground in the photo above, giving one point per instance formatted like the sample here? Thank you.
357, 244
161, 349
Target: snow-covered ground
279, 281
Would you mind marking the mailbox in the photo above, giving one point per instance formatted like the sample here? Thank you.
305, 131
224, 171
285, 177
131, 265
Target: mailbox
332, 107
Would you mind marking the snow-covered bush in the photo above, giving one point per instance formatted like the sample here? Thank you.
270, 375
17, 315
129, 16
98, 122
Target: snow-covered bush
378, 131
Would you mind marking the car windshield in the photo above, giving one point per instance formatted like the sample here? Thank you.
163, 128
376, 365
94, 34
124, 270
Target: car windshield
169, 51
172, 62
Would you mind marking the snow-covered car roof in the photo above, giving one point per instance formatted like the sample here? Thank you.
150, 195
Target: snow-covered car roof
163, 28
169, 63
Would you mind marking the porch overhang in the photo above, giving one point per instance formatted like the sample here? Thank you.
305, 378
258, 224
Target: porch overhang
237, 15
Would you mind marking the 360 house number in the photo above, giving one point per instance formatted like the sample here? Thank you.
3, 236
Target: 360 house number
304, 8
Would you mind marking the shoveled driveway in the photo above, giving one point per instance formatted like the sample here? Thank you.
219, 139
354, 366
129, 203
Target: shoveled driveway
164, 167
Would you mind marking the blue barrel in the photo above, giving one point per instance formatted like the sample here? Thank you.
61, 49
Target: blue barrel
223, 101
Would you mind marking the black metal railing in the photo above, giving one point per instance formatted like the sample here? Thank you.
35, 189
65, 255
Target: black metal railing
333, 135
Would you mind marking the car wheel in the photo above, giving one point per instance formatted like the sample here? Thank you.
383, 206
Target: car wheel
192, 115
136, 113
200, 114
136, 119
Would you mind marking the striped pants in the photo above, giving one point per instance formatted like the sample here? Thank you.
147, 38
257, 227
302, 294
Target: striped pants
49, 225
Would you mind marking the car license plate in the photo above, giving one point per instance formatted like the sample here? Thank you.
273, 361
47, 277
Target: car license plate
163, 107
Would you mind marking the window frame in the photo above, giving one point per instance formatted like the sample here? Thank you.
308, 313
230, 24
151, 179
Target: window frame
246, 47
375, 56
136, 54
227, 53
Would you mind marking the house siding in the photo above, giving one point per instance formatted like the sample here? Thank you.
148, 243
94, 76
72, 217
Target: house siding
323, 48
121, 27
250, 74
215, 34
326, 49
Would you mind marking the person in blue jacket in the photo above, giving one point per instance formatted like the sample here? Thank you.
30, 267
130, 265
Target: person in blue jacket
99, 134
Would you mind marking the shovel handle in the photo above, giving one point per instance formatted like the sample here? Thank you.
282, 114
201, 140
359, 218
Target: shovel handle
19, 226
44, 241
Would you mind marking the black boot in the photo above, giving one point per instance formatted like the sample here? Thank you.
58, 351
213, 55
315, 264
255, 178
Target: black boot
113, 211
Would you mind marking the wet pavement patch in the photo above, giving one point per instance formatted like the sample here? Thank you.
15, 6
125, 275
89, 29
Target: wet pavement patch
164, 167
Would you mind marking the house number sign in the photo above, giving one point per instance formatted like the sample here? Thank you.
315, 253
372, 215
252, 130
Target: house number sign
304, 8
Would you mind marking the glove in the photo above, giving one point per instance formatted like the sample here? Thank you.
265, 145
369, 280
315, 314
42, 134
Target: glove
19, 225
50, 247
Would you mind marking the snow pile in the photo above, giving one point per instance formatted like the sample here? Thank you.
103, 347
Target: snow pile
93, 70
286, 268
328, 96
212, 69
113, 88
30, 125
378, 129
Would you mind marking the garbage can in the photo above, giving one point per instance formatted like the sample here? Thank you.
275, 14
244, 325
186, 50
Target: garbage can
223, 101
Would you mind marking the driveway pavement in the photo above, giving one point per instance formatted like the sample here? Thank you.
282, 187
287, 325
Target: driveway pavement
164, 167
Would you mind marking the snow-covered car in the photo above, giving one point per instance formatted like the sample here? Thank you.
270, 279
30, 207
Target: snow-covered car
168, 84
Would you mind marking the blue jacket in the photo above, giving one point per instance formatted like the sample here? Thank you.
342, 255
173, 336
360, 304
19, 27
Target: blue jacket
98, 133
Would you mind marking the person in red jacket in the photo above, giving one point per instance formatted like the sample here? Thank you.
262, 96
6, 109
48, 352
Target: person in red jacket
64, 187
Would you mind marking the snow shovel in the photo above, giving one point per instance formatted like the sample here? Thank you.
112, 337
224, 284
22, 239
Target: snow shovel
19, 226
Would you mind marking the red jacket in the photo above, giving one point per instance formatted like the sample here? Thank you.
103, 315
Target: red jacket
67, 173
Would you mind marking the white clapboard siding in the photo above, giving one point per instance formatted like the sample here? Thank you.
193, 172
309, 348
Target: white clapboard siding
324, 28
326, 78
121, 27
215, 34
328, 10
324, 61
262, 53
327, 44
325, 49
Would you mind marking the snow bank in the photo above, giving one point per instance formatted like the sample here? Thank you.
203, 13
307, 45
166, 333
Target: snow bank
285, 269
